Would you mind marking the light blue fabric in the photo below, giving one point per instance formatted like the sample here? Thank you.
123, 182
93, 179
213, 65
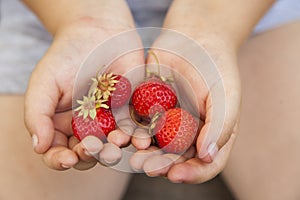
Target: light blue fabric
23, 40
152, 13
149, 13
282, 12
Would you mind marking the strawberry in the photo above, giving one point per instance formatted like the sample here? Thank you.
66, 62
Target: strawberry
121, 94
152, 96
92, 118
174, 130
116, 89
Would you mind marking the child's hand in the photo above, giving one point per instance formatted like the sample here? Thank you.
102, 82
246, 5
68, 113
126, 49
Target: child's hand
217, 88
49, 95
217, 26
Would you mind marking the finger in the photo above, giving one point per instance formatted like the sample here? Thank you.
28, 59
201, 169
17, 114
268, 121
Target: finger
137, 160
110, 154
141, 139
197, 171
222, 113
59, 139
121, 136
127, 126
213, 151
207, 148
40, 104
72, 142
88, 149
82, 165
118, 138
190, 153
159, 165
60, 158
62, 122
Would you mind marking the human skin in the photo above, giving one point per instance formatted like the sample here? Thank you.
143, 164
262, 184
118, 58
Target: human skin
265, 162
77, 27
220, 28
262, 177
25, 176
201, 20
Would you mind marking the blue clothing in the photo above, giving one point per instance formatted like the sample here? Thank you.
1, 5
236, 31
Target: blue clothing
23, 40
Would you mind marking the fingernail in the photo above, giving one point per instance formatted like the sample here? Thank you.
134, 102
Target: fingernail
66, 166
91, 145
35, 140
109, 163
89, 153
176, 181
213, 150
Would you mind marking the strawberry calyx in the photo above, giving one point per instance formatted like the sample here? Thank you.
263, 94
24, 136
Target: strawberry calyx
88, 105
103, 85
98, 96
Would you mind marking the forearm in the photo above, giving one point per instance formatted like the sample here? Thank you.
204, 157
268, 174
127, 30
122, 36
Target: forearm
232, 21
55, 14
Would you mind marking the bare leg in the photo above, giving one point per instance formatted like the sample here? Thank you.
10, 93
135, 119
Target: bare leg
24, 176
265, 162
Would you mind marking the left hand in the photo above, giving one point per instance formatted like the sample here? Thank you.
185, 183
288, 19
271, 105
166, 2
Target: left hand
211, 151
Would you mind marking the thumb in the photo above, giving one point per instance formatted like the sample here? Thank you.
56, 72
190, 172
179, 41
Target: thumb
222, 108
41, 99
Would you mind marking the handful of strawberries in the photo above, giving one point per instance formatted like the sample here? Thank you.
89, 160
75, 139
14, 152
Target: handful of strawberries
153, 104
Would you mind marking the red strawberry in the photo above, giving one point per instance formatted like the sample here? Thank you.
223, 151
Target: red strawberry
92, 118
100, 127
115, 89
120, 96
153, 96
175, 130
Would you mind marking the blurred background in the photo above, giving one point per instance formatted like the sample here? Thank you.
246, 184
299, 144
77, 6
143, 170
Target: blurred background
143, 187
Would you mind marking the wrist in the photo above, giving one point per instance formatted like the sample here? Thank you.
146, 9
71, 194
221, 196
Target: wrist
94, 25
57, 15
229, 23
209, 39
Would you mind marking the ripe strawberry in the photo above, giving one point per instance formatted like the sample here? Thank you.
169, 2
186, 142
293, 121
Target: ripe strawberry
153, 96
92, 118
175, 130
121, 94
115, 89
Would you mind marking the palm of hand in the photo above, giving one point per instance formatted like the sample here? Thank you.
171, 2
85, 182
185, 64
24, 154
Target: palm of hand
207, 88
52, 83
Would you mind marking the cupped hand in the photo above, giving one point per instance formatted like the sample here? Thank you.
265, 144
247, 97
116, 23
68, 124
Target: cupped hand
212, 96
48, 104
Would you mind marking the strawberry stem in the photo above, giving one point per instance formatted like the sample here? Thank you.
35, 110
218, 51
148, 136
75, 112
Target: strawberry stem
133, 118
156, 60
153, 122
